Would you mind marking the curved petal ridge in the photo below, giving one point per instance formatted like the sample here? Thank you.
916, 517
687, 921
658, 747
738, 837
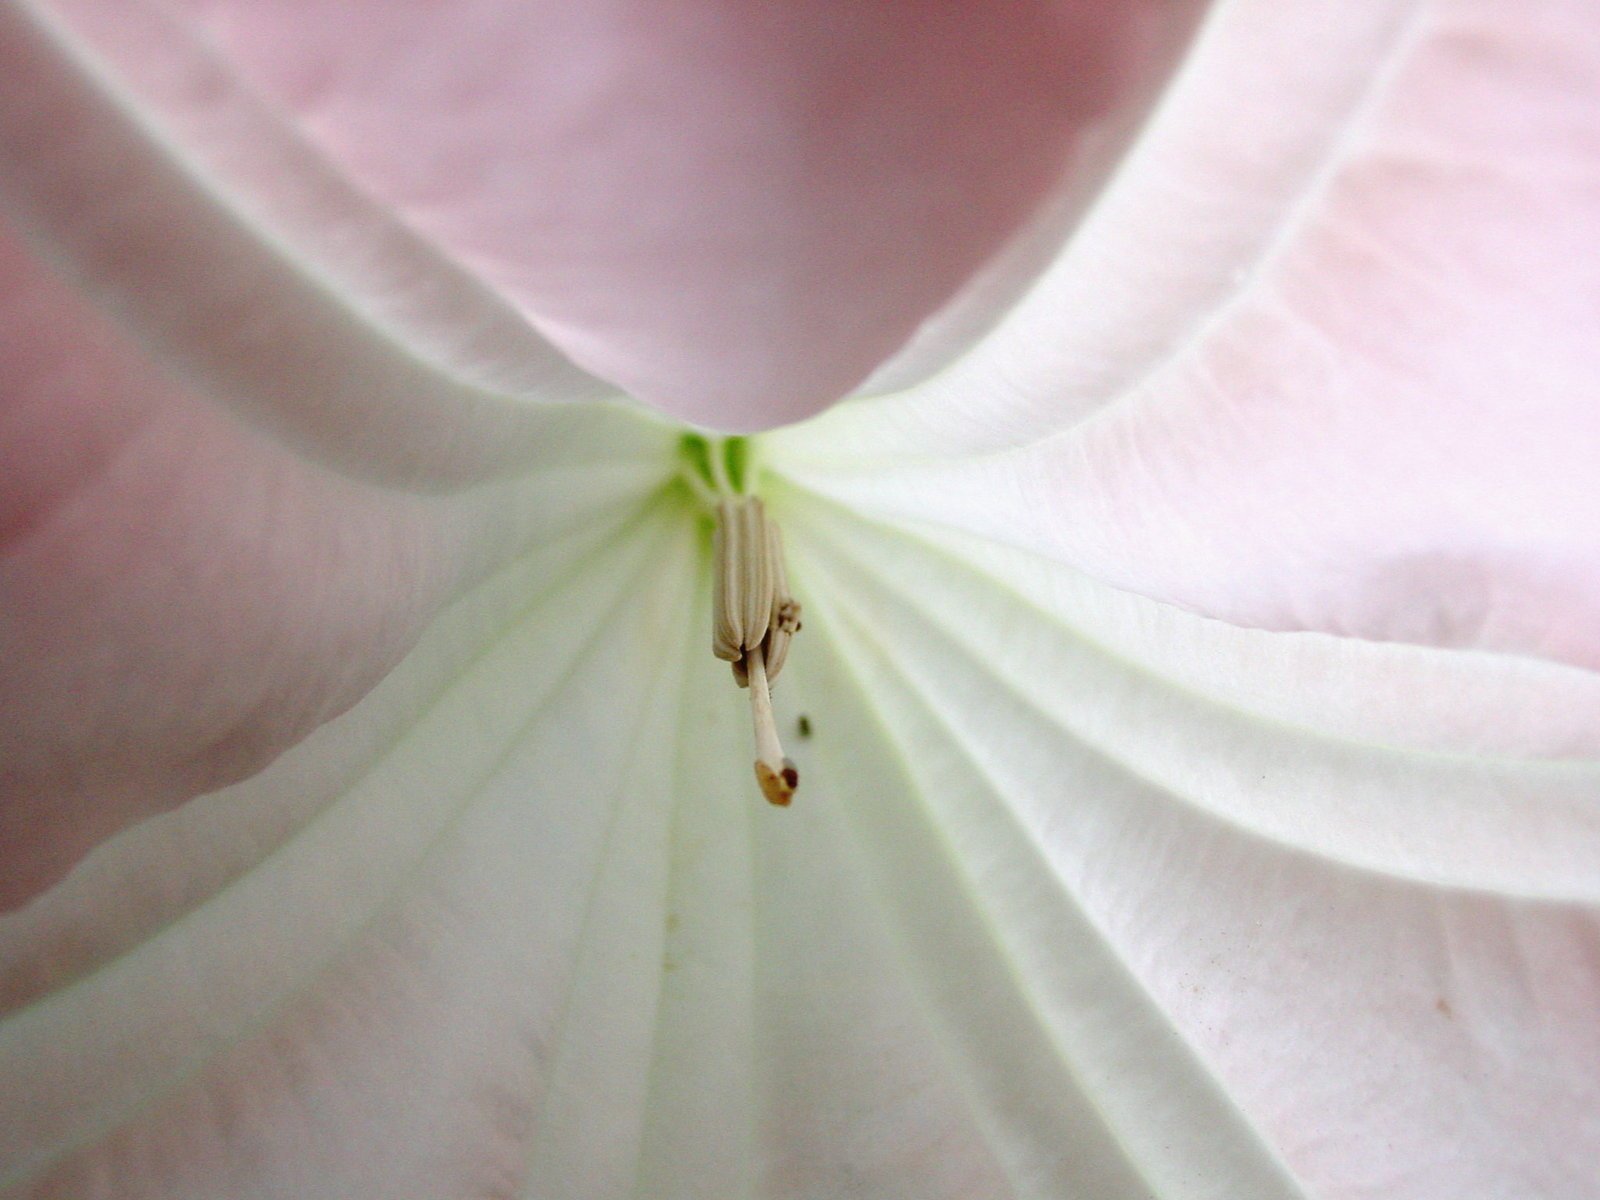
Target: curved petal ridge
1004, 284
585, 1139
699, 1136
1082, 1088
735, 214
1387, 437
114, 902
1370, 1025
258, 271
1528, 827
381, 835
1108, 319
860, 1093
1326, 685
1289, 519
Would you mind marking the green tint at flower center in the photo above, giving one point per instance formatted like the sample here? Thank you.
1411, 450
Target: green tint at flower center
717, 465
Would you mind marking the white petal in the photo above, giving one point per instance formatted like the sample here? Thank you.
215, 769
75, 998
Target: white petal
1464, 768
520, 921
1376, 921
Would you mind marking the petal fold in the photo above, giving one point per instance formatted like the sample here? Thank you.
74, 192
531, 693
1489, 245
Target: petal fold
241, 259
1376, 928
182, 598
1321, 357
734, 213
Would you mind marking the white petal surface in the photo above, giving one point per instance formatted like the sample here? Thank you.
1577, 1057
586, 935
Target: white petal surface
518, 922
379, 874
1404, 761
519, 925
1378, 921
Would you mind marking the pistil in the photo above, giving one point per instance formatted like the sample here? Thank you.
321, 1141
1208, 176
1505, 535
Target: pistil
775, 772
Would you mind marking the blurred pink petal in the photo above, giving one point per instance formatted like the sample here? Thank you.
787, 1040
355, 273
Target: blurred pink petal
733, 212
179, 599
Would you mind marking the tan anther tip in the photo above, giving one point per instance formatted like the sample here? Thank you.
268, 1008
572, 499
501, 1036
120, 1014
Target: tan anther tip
778, 786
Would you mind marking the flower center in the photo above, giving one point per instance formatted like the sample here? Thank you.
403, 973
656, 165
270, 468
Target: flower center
753, 616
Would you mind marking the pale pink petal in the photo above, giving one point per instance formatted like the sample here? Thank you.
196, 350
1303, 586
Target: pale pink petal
734, 211
1392, 1039
1324, 356
246, 264
181, 598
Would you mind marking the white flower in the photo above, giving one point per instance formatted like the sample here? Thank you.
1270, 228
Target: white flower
1196, 710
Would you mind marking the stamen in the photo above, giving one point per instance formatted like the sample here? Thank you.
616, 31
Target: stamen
752, 619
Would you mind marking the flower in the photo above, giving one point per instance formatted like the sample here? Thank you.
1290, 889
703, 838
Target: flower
1200, 795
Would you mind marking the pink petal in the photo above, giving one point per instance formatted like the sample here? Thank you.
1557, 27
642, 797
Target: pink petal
243, 262
1372, 912
735, 212
1394, 1039
151, 554
181, 598
1324, 356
